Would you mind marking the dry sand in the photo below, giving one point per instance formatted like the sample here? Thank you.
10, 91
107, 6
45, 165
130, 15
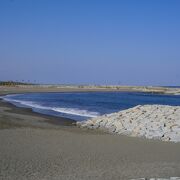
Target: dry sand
71, 88
36, 147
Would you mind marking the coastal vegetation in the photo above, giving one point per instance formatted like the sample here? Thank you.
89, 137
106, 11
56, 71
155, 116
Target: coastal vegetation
14, 83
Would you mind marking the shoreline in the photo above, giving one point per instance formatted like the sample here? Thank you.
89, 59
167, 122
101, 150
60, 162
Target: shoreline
28, 89
33, 148
29, 111
58, 120
64, 88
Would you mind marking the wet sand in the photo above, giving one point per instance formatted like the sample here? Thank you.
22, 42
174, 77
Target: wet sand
40, 147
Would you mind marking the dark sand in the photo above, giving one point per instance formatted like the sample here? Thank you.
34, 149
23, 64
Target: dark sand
40, 147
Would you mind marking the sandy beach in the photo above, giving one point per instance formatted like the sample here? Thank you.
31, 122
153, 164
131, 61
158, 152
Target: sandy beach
89, 90
40, 147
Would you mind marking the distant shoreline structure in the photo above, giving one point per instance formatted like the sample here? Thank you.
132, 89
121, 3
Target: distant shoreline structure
28, 82
171, 86
29, 87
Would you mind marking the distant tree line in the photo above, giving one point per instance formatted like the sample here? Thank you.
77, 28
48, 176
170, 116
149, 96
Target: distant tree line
14, 83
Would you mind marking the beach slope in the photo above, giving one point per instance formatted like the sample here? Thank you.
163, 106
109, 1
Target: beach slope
39, 147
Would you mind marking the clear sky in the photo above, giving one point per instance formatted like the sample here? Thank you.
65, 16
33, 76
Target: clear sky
130, 42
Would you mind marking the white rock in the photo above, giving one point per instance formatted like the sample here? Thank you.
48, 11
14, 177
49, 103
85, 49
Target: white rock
150, 121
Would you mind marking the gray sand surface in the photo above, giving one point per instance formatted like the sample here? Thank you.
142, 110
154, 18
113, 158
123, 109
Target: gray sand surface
60, 154
33, 148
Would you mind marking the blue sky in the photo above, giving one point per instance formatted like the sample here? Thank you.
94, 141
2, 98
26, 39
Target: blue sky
130, 42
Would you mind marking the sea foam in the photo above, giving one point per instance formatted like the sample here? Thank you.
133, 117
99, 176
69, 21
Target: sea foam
71, 111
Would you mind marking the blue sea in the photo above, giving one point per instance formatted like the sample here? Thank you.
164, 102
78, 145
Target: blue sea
81, 106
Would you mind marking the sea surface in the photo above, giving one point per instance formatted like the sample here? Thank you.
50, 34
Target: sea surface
81, 106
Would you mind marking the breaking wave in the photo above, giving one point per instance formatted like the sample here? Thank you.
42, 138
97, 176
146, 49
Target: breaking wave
72, 111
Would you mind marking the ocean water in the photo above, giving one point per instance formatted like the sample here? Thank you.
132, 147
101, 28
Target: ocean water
81, 106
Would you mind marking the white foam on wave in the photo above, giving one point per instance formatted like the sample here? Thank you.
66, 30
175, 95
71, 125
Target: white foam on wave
76, 111
72, 111
26, 103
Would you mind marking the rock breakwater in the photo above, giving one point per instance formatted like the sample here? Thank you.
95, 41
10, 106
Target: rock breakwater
149, 121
